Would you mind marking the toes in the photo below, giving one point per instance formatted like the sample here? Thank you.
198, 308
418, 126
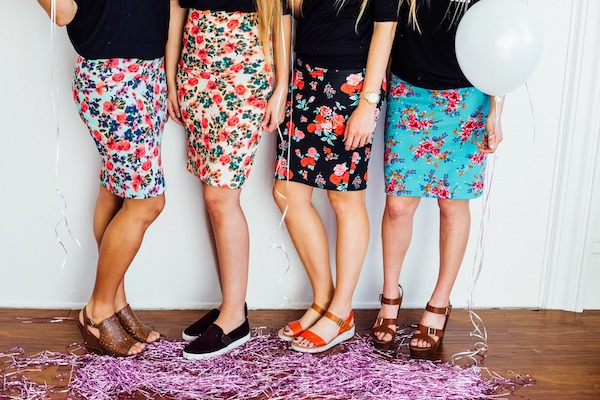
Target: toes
153, 337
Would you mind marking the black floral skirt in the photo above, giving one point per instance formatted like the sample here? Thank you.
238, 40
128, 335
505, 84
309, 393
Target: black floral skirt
312, 141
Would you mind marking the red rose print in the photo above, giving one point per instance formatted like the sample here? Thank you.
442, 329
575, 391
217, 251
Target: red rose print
118, 77
133, 67
147, 165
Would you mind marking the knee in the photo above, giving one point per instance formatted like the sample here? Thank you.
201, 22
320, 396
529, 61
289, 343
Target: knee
397, 208
148, 209
453, 208
344, 203
217, 202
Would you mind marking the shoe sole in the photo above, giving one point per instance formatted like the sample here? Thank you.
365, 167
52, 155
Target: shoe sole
232, 345
337, 340
188, 338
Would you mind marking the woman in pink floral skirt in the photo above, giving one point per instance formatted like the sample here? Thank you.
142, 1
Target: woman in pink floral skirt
230, 86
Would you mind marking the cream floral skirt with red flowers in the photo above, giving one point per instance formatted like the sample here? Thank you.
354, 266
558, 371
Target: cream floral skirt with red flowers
224, 83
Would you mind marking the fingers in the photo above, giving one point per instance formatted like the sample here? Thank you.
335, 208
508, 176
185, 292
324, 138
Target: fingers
174, 112
488, 144
355, 140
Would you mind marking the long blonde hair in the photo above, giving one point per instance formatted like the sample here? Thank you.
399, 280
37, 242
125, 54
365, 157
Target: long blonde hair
414, 6
269, 23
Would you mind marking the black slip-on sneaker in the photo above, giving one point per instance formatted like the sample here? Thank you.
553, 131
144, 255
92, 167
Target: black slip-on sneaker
197, 328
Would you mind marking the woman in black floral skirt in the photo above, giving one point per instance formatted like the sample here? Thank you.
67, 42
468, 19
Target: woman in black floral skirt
342, 49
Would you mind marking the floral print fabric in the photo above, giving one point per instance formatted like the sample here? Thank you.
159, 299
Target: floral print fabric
430, 142
123, 102
323, 100
224, 84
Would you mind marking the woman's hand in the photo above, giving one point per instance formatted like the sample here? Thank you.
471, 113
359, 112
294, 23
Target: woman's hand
275, 111
173, 107
360, 126
493, 127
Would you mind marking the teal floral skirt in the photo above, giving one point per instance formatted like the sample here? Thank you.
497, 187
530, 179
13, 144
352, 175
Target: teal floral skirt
431, 142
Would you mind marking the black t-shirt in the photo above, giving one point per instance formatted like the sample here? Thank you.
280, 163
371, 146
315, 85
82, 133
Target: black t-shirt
328, 37
120, 28
226, 5
428, 59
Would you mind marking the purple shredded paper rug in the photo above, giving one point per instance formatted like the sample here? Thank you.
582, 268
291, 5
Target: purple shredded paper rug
264, 368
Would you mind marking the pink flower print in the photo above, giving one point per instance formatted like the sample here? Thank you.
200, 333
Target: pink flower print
109, 165
354, 79
240, 90
109, 107
399, 90
325, 111
477, 158
340, 169
84, 107
237, 67
468, 127
122, 118
298, 134
425, 147
303, 118
416, 125
225, 159
118, 77
210, 85
478, 185
233, 120
97, 136
231, 25
312, 152
140, 151
355, 157
137, 181
133, 67
155, 151
112, 63
140, 104
147, 165
100, 87
441, 192
217, 98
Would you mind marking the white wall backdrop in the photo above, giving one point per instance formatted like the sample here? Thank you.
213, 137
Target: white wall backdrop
543, 242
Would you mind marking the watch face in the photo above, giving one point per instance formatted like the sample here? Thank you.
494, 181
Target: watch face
373, 97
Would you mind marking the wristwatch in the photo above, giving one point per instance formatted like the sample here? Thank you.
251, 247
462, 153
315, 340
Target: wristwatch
371, 97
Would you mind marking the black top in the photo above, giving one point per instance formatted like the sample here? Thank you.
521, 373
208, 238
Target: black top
428, 59
226, 5
120, 28
328, 37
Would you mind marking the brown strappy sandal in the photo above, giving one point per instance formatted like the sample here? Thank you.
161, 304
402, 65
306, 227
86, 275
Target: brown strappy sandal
295, 326
113, 339
383, 324
134, 327
426, 333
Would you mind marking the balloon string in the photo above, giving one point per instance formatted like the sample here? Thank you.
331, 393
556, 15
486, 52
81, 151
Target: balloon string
532, 112
55, 107
480, 347
276, 238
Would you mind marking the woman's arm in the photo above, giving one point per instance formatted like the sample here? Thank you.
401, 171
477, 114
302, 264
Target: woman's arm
172, 55
361, 124
65, 10
282, 46
493, 126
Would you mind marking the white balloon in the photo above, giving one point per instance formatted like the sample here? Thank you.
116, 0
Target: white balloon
498, 45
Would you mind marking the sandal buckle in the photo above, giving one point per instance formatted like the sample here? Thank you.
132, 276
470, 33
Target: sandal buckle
431, 331
340, 322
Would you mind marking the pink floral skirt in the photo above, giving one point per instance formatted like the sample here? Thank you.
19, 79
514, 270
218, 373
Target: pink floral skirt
123, 103
224, 83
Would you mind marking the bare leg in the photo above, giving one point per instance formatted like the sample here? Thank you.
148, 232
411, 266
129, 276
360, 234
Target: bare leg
232, 242
455, 223
351, 247
396, 233
119, 244
310, 240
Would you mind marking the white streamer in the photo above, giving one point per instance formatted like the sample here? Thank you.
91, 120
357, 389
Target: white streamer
276, 234
55, 107
480, 347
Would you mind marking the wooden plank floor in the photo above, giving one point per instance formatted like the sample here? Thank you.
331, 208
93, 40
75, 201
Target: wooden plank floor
559, 349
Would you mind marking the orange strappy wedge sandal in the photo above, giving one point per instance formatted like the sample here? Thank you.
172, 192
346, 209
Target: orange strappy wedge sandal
346, 332
296, 327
